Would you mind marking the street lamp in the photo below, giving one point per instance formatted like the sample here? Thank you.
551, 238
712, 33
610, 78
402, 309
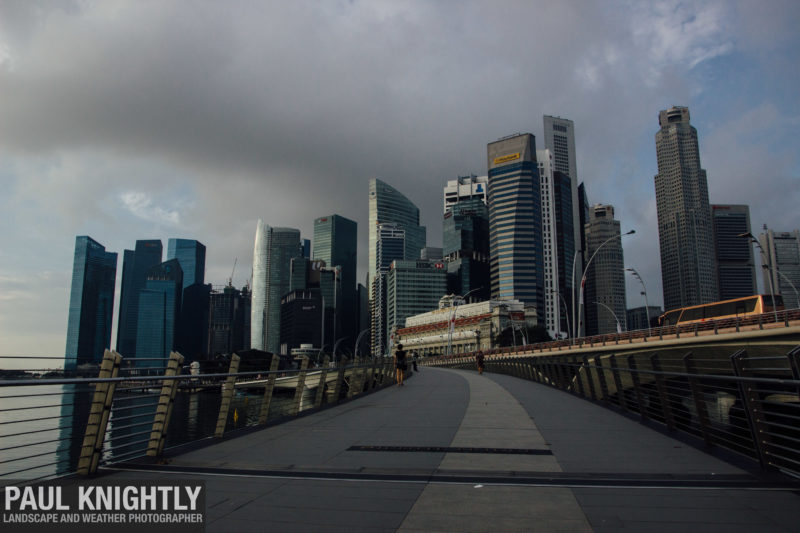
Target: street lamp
763, 266
619, 327
574, 313
336, 345
358, 341
644, 292
566, 314
451, 322
583, 278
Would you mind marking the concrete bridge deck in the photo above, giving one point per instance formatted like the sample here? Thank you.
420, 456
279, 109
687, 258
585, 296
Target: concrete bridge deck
586, 468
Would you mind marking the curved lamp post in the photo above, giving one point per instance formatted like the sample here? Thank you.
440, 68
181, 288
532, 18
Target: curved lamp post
763, 266
619, 327
566, 313
358, 341
644, 292
583, 278
451, 321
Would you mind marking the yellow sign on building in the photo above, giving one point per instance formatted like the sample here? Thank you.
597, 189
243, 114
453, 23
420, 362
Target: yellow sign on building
505, 158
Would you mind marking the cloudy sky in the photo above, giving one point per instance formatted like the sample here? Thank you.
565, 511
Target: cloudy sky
141, 120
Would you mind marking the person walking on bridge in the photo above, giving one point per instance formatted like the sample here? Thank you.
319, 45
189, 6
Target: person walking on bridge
479, 361
400, 364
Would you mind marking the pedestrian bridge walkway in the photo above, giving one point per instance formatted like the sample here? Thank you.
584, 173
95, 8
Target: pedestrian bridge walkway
455, 451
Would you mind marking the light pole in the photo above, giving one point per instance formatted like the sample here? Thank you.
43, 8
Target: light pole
644, 292
335, 345
763, 266
574, 314
358, 341
619, 327
566, 314
451, 326
583, 278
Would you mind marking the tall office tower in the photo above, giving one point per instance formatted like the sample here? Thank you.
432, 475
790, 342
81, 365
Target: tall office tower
226, 329
159, 310
413, 287
91, 303
736, 273
388, 206
302, 319
782, 264
685, 231
605, 280
135, 264
466, 249
515, 222
190, 339
465, 188
389, 246
272, 255
552, 301
565, 245
336, 243
307, 274
559, 138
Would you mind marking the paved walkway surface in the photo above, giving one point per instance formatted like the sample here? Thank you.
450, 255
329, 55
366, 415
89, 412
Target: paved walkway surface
428, 460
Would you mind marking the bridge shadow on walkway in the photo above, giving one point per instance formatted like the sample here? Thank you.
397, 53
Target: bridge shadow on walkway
454, 451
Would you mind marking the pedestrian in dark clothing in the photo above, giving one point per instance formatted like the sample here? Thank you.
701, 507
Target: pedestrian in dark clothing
400, 364
479, 361
414, 362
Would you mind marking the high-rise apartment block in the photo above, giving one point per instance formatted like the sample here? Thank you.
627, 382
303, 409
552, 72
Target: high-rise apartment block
515, 222
605, 300
736, 274
685, 229
272, 254
91, 303
782, 264
135, 265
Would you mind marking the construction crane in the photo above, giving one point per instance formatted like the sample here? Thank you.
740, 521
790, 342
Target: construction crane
230, 279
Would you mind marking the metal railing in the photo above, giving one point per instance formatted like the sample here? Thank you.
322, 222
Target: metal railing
746, 404
63, 422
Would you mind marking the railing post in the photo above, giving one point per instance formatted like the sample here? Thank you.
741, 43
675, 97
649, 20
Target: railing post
794, 362
337, 389
371, 378
618, 382
669, 420
268, 389
587, 369
158, 435
323, 376
301, 384
578, 381
637, 386
99, 414
699, 401
226, 396
751, 404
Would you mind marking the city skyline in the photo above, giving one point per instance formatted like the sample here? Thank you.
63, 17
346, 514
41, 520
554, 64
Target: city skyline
147, 152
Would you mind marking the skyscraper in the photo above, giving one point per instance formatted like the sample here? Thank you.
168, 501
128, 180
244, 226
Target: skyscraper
229, 315
91, 303
465, 188
413, 287
389, 246
685, 230
336, 242
159, 311
272, 254
515, 222
553, 310
135, 265
605, 279
782, 264
559, 138
736, 272
191, 255
388, 206
565, 244
466, 248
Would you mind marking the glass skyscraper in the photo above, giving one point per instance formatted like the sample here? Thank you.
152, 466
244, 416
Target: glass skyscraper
412, 288
388, 206
466, 248
781, 262
515, 222
736, 271
390, 246
91, 302
336, 243
272, 255
159, 311
191, 255
605, 280
685, 230
135, 265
